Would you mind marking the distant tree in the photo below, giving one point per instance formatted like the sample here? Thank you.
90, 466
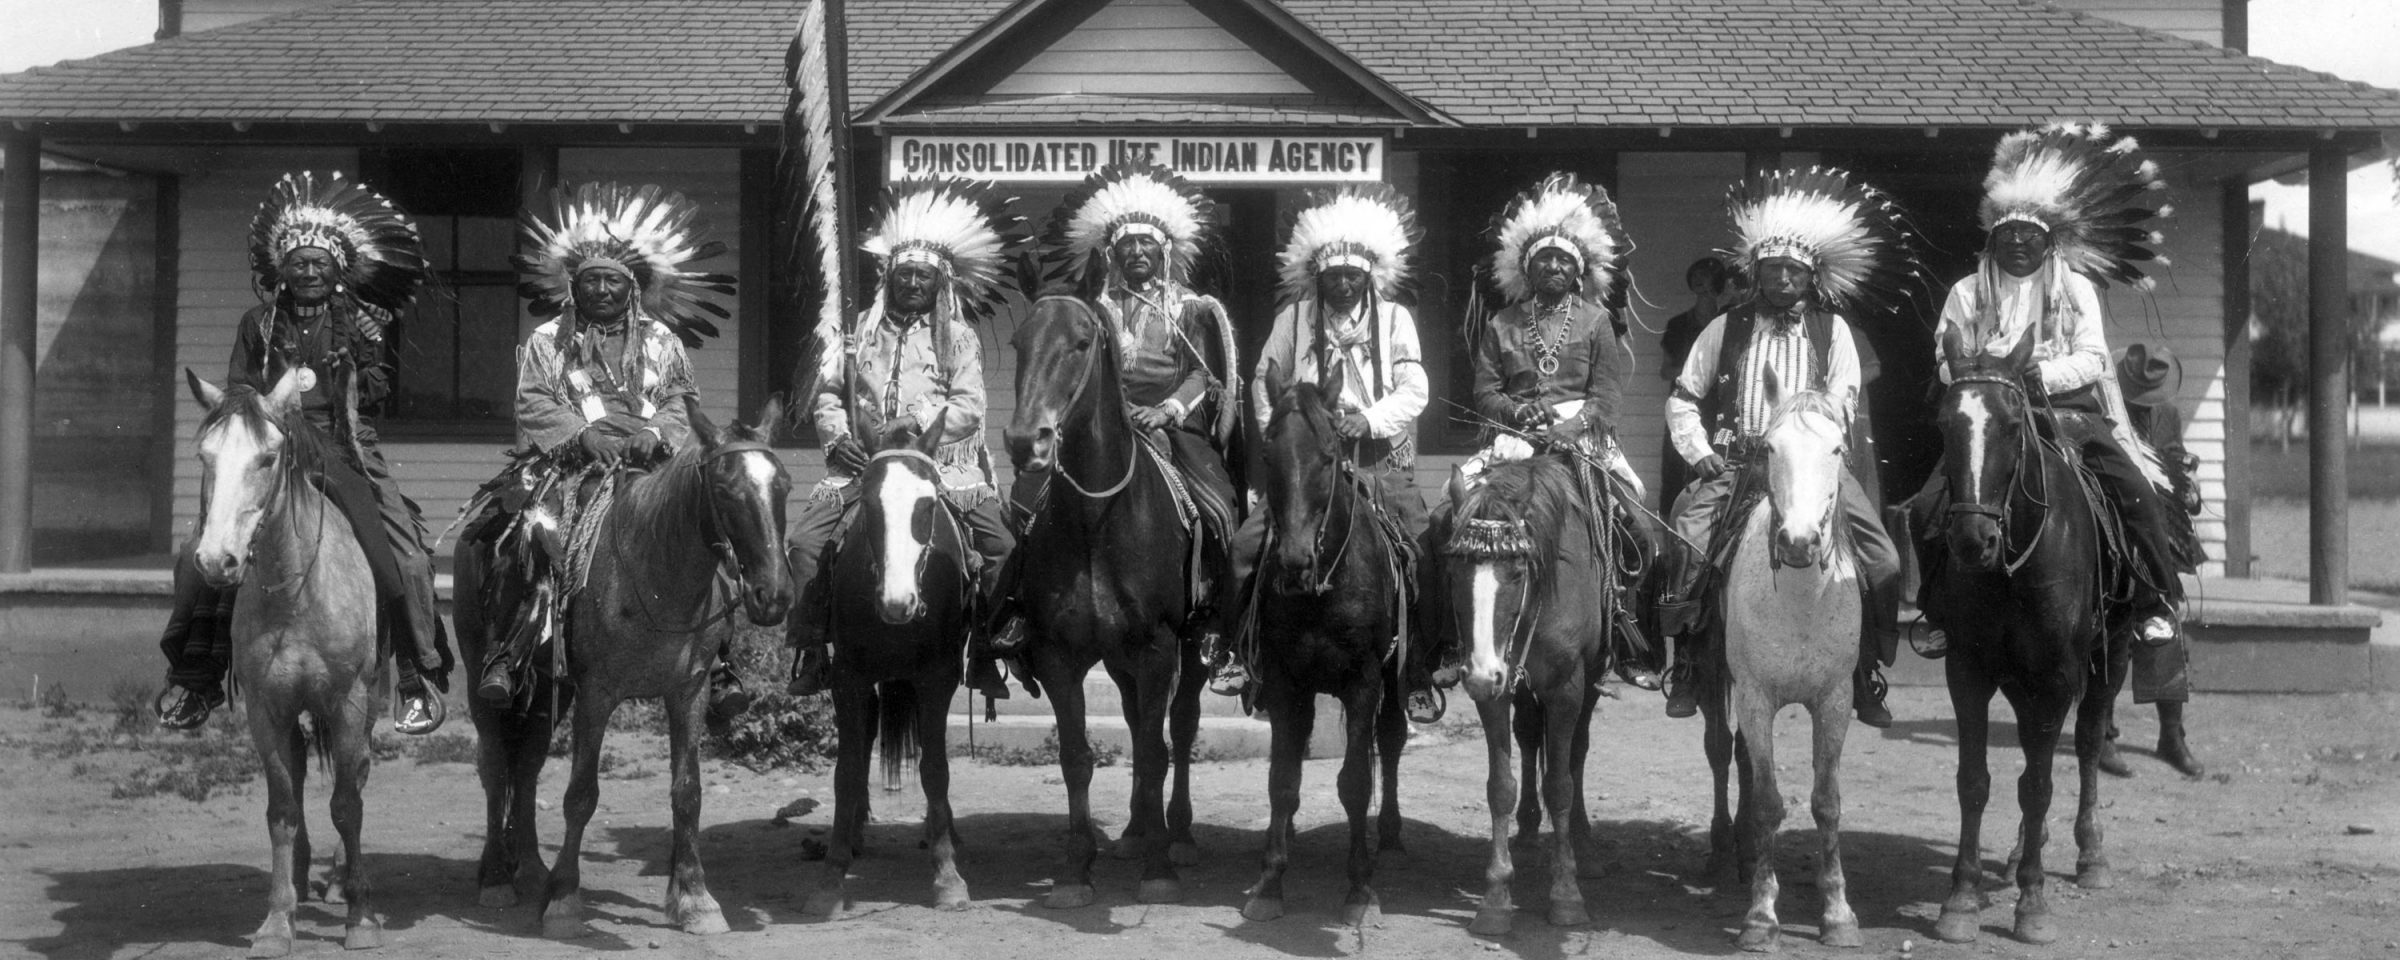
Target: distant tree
2279, 324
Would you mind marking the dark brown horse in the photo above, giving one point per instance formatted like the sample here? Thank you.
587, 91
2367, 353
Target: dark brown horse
646, 622
901, 602
2022, 596
1328, 616
304, 622
1523, 570
1103, 583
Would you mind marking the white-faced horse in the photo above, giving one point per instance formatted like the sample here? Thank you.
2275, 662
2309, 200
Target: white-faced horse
304, 630
1791, 615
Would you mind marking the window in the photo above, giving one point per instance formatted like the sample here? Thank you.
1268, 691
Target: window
454, 363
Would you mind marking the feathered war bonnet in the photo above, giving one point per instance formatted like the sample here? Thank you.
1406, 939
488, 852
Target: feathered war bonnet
1565, 214
650, 235
1125, 199
2087, 191
1852, 237
378, 256
963, 230
1367, 226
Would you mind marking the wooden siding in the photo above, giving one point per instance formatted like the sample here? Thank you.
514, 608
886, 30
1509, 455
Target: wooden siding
1149, 47
1674, 207
2201, 20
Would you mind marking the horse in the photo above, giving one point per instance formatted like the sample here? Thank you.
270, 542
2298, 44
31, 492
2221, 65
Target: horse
1521, 563
1791, 615
305, 616
2023, 599
1329, 614
642, 624
1102, 583
902, 599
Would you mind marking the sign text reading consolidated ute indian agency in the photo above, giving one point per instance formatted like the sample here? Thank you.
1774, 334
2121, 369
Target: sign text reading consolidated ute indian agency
1203, 159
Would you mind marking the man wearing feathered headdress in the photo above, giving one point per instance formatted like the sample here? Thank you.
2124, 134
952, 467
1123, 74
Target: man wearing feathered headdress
1128, 240
337, 262
1549, 367
2063, 205
913, 363
1341, 329
1813, 243
605, 382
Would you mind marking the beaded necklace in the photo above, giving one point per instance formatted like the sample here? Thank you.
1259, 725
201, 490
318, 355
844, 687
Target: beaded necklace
1545, 352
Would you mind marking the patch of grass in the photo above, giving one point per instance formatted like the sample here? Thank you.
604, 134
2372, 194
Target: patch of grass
779, 730
1045, 754
2278, 473
191, 767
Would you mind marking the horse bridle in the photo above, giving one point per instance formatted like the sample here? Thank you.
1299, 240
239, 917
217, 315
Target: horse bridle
1106, 338
2027, 453
729, 566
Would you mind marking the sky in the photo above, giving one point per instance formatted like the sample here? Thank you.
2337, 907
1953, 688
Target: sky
2351, 39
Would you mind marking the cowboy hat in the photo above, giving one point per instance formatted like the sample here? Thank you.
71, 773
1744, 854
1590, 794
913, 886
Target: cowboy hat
2142, 373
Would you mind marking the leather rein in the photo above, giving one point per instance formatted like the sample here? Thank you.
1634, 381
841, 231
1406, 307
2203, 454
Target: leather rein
2029, 452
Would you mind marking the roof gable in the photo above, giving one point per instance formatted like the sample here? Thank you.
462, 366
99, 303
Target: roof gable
1125, 58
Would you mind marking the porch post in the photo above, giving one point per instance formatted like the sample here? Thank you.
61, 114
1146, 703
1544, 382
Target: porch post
20, 219
2328, 377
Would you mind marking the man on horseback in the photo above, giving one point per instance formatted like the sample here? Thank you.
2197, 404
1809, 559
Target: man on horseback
1340, 330
1127, 240
2053, 239
1798, 238
913, 363
1549, 367
603, 385
340, 263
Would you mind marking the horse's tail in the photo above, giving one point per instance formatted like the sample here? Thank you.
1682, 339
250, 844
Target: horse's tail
896, 726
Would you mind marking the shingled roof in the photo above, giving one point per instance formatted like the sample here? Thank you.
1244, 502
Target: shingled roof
1631, 63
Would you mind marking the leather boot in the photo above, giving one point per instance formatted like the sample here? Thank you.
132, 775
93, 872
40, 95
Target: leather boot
1867, 689
183, 708
2171, 745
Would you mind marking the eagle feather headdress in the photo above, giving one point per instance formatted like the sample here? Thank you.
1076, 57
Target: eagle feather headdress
2088, 191
1121, 199
1564, 213
652, 233
964, 230
1853, 237
1368, 226
379, 254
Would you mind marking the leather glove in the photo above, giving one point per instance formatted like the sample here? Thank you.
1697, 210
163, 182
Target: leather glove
1711, 466
845, 456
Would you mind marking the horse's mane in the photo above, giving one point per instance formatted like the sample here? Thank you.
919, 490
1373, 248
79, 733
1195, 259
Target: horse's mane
1806, 401
649, 504
1537, 494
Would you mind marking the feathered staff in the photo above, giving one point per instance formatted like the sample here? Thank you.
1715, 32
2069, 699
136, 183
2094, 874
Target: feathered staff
816, 165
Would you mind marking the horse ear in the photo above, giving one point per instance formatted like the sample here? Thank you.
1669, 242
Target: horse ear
703, 428
1774, 387
931, 440
207, 393
1275, 379
769, 417
2021, 358
286, 394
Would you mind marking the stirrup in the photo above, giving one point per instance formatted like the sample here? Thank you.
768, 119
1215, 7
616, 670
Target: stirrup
1427, 704
186, 712
1932, 644
2156, 631
1230, 679
420, 713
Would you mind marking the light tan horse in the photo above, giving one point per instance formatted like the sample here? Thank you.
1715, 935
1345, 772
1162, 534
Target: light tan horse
1792, 610
304, 629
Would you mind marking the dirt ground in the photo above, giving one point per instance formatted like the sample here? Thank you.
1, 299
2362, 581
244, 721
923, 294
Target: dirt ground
2266, 858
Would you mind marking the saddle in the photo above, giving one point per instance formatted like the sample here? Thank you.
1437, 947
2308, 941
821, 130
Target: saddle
2064, 431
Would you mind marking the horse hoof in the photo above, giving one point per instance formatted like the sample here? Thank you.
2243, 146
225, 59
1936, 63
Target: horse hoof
504, 895
1362, 915
335, 894
1183, 853
270, 947
1569, 914
1760, 939
1842, 935
1957, 927
2035, 929
705, 923
564, 928
824, 904
364, 936
952, 901
1068, 896
1163, 890
2096, 876
1491, 923
1262, 909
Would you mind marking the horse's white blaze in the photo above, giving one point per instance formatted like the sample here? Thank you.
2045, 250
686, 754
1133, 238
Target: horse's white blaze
1485, 589
1805, 475
235, 502
900, 494
1979, 428
762, 469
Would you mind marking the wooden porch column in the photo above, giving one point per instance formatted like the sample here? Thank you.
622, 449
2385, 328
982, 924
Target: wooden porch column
20, 237
2233, 201
2328, 377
